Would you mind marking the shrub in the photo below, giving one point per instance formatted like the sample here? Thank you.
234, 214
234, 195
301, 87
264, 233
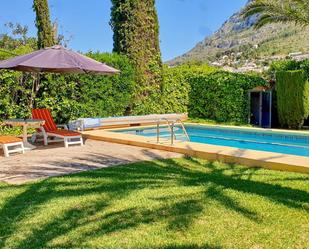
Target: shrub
201, 90
174, 92
70, 96
221, 96
287, 65
292, 98
89, 95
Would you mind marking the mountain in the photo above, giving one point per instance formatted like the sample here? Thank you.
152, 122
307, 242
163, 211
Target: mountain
237, 43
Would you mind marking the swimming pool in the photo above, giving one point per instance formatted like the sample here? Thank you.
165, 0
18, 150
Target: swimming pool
254, 139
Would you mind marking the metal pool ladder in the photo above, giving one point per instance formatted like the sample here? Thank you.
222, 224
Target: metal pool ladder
171, 126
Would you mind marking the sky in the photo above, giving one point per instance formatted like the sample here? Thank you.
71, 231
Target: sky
183, 23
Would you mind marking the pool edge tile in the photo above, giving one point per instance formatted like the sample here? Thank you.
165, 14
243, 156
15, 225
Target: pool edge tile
251, 158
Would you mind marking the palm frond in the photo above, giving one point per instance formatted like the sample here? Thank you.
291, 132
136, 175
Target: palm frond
273, 11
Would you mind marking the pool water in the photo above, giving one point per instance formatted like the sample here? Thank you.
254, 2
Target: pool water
254, 139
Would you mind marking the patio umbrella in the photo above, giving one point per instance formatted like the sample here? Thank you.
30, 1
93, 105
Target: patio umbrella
56, 59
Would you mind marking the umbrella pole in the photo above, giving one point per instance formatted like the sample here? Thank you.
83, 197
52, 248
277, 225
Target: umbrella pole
35, 89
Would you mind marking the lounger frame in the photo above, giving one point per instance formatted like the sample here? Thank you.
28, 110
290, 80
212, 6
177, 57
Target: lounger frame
13, 148
68, 140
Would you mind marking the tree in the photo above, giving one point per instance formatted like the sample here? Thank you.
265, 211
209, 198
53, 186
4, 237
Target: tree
45, 30
136, 35
274, 11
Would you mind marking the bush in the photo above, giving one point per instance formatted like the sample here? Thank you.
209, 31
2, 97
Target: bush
287, 65
201, 90
70, 96
221, 96
174, 93
292, 98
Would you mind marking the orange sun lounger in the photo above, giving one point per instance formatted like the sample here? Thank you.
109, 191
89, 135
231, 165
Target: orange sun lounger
11, 144
50, 129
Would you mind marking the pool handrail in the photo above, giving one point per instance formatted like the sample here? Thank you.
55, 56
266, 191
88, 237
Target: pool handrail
183, 128
171, 126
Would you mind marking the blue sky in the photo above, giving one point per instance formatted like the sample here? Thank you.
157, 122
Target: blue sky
183, 23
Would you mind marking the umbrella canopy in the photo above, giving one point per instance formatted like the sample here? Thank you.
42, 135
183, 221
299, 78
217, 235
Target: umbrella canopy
56, 59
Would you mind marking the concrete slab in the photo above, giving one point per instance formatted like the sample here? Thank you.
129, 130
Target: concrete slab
55, 160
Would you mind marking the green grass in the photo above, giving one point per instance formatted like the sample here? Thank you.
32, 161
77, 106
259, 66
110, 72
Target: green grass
214, 122
181, 203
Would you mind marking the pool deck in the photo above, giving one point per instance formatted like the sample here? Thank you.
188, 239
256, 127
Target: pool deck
251, 158
55, 160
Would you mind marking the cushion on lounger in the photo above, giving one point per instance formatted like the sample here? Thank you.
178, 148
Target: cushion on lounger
65, 133
9, 139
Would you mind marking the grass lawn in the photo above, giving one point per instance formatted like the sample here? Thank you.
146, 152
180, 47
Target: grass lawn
181, 203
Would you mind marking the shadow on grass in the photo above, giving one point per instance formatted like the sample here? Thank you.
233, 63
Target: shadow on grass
188, 246
115, 184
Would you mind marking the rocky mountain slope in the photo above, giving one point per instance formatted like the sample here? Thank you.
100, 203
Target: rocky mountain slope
237, 42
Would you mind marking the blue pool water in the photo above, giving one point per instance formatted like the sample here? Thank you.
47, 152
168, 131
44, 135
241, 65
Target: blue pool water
273, 141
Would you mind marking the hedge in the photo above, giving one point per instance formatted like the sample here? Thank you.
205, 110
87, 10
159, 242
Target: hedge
200, 90
287, 65
221, 96
292, 98
176, 87
70, 96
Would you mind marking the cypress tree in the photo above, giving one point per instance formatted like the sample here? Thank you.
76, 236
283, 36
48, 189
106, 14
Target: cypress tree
43, 24
292, 98
136, 35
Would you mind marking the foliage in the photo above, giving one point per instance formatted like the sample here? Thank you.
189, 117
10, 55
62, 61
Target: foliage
214, 122
221, 96
16, 41
292, 98
136, 35
274, 11
282, 65
174, 94
177, 203
206, 92
288, 65
46, 36
70, 96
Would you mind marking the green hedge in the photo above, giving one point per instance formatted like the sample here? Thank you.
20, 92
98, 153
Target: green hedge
200, 90
174, 96
221, 96
70, 95
292, 98
287, 65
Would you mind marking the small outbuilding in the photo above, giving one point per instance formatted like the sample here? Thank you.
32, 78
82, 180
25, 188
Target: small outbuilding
261, 103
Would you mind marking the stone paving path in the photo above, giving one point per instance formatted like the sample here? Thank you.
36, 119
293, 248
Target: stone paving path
55, 160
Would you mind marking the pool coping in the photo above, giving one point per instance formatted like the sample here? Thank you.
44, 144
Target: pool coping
251, 158
257, 129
